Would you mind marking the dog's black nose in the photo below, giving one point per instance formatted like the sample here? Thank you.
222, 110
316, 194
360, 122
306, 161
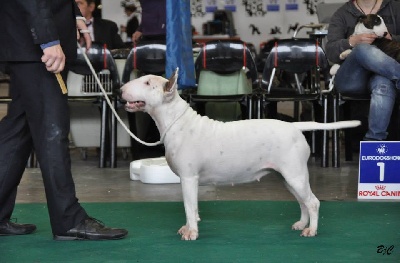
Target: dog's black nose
118, 93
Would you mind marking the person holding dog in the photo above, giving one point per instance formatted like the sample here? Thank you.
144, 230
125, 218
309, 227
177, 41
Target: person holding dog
367, 69
36, 48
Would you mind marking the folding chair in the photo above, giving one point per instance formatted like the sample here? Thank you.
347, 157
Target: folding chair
305, 61
144, 58
226, 75
88, 108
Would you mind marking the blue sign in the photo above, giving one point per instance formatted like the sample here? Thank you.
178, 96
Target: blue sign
273, 8
379, 174
211, 8
292, 7
231, 8
380, 162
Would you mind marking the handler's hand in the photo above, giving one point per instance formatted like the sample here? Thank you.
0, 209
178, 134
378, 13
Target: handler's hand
81, 25
363, 38
54, 58
136, 36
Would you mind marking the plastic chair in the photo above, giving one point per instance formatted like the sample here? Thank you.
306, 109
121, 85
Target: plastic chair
303, 60
324, 13
265, 49
225, 73
343, 103
145, 58
341, 108
88, 108
120, 138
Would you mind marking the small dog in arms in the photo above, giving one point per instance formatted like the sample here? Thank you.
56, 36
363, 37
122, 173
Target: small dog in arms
372, 24
242, 151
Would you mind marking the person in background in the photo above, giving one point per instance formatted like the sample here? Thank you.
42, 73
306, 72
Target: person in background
35, 49
152, 29
367, 69
153, 25
101, 30
133, 22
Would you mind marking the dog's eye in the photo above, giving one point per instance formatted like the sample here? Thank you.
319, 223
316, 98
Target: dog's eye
147, 83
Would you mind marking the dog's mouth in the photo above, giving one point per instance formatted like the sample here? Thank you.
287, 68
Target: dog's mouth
382, 35
135, 105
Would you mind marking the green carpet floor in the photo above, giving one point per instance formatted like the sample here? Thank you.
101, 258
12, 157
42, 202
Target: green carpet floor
230, 231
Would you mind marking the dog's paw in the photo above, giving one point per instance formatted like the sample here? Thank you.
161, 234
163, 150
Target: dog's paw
187, 233
299, 225
309, 232
334, 69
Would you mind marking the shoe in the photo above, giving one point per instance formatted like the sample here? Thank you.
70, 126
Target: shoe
92, 229
8, 228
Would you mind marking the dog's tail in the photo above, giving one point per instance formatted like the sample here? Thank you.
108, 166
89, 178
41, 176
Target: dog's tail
311, 125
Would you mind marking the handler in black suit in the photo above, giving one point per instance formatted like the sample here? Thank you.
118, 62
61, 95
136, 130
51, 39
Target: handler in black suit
36, 39
101, 30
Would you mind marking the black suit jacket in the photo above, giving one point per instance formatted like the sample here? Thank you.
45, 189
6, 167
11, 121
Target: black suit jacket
25, 24
106, 32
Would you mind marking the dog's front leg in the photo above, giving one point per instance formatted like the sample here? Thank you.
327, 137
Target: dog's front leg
345, 54
190, 192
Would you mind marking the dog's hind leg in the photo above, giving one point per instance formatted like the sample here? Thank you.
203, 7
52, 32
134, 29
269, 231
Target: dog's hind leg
304, 217
190, 201
299, 186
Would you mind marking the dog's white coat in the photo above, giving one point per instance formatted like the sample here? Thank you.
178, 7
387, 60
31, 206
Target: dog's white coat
201, 150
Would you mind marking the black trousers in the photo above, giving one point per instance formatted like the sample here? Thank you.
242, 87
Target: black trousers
38, 118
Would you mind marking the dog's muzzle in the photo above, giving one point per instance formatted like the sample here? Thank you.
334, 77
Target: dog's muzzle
118, 92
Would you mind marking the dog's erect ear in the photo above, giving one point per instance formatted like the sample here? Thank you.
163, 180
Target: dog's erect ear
172, 81
361, 18
171, 86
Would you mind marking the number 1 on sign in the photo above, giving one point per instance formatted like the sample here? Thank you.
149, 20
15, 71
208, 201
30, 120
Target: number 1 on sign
381, 171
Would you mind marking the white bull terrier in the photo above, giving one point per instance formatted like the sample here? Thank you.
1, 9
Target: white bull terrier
201, 150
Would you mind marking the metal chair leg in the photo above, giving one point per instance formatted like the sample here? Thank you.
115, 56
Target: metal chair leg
32, 162
113, 137
325, 133
348, 151
335, 137
103, 128
259, 106
249, 99
313, 151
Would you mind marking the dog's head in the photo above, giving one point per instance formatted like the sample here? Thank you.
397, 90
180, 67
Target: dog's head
147, 92
371, 23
